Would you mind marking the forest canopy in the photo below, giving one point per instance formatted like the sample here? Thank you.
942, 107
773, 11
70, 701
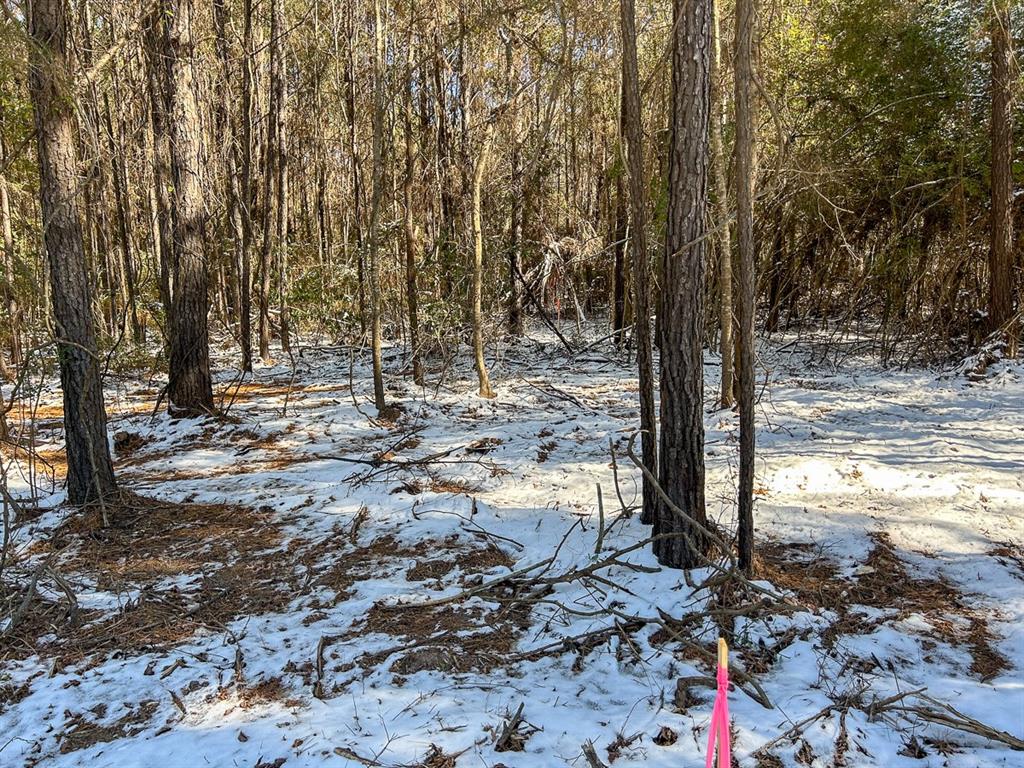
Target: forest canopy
873, 160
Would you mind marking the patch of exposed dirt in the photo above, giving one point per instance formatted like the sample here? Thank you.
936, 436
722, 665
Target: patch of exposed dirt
339, 572
80, 732
229, 557
263, 692
452, 637
228, 562
1011, 556
455, 487
545, 450
471, 561
127, 443
420, 623
255, 390
802, 570
11, 694
884, 583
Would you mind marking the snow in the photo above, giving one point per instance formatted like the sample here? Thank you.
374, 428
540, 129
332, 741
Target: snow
926, 457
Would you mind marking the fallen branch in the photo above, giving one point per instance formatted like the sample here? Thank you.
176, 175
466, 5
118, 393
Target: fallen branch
467, 593
509, 740
591, 754
941, 713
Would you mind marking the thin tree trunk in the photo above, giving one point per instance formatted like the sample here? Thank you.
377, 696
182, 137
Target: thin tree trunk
271, 180
129, 290
7, 291
720, 163
1000, 282
412, 240
445, 245
746, 25
357, 186
515, 246
158, 110
237, 207
777, 282
682, 362
90, 470
641, 262
246, 192
375, 203
619, 232
190, 390
282, 194
95, 189
483, 378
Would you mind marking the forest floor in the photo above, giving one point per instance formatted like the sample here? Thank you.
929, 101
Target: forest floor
257, 601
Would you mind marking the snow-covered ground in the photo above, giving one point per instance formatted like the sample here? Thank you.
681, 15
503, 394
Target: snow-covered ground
273, 625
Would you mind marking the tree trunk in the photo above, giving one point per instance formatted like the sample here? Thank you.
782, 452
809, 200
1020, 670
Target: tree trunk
641, 262
720, 163
446, 229
619, 233
412, 241
271, 179
7, 290
90, 470
515, 230
777, 282
129, 290
94, 190
682, 362
282, 192
246, 192
375, 203
190, 390
237, 208
483, 378
156, 69
357, 185
1000, 281
746, 25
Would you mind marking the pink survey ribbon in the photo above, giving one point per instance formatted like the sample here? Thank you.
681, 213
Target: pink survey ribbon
720, 722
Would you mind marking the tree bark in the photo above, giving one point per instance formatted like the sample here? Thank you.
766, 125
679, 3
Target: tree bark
271, 179
357, 180
515, 245
746, 26
1000, 282
163, 242
90, 470
641, 262
129, 290
620, 231
246, 192
682, 363
190, 390
412, 239
283, 196
375, 203
236, 136
722, 215
483, 379
8, 255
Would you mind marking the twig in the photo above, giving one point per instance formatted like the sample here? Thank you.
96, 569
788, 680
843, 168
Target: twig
504, 741
941, 713
468, 592
600, 522
591, 754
